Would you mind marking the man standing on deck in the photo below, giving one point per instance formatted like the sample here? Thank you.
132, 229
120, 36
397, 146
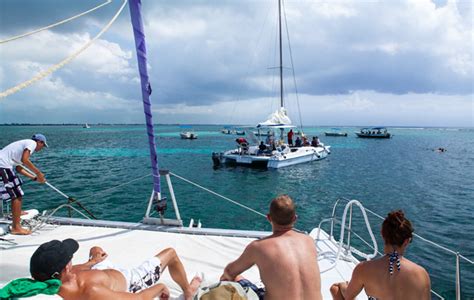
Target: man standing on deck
290, 137
287, 260
10, 184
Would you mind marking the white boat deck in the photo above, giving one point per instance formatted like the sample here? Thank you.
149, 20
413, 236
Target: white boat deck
208, 254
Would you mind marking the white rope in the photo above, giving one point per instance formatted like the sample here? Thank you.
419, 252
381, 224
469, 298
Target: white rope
53, 25
218, 195
115, 187
53, 68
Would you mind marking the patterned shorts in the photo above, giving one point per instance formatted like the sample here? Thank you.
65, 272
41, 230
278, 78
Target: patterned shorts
10, 184
138, 278
145, 275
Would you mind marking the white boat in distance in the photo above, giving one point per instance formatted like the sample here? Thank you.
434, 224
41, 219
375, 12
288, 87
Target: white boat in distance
86, 126
272, 153
189, 135
374, 133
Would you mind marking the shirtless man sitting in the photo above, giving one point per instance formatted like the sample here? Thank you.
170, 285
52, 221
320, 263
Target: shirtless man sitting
391, 276
287, 260
98, 279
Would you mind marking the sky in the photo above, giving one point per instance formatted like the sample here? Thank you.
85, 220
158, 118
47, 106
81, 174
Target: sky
359, 63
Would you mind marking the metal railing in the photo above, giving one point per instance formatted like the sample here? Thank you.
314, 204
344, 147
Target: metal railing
350, 232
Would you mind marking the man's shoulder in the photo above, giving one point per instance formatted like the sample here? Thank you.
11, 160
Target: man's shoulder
26, 143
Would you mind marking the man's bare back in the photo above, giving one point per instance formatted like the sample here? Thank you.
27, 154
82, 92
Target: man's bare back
288, 266
287, 260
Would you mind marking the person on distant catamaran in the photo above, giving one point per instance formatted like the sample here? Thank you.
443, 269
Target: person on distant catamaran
10, 184
391, 276
290, 137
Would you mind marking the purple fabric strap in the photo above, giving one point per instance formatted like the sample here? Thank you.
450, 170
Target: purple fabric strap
138, 32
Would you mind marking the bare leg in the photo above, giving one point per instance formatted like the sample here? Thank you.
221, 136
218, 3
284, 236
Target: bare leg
170, 259
16, 214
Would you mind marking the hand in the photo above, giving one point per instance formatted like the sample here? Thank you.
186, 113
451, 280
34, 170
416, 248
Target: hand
165, 293
40, 178
225, 277
97, 255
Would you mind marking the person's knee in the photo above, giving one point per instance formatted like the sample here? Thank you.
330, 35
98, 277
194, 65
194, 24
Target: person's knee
167, 255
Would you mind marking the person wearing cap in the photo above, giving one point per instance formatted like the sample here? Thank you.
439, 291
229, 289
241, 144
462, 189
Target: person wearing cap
99, 279
11, 156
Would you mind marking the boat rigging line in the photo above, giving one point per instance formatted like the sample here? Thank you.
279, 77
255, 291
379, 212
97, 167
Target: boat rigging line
55, 24
64, 62
292, 67
218, 195
70, 199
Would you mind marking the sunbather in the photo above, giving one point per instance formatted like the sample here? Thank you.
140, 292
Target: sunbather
287, 260
99, 279
391, 276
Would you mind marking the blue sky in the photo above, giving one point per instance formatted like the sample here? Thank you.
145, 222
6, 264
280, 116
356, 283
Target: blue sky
407, 62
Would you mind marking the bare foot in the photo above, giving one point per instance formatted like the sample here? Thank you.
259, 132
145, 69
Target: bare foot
20, 231
193, 287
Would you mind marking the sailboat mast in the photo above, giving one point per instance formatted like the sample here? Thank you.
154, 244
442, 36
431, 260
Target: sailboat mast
138, 32
281, 55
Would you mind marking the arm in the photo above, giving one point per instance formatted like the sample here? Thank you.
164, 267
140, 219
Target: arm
97, 255
244, 262
100, 292
25, 159
427, 285
355, 286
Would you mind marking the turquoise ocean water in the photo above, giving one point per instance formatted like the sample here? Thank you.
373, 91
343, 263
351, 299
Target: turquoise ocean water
436, 190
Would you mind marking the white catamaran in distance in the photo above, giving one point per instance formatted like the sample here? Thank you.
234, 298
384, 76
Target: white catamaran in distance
206, 250
272, 153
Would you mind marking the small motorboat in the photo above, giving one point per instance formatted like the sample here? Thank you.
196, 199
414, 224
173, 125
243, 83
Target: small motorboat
188, 135
374, 133
335, 132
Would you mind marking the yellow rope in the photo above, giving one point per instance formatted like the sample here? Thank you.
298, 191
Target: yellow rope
53, 68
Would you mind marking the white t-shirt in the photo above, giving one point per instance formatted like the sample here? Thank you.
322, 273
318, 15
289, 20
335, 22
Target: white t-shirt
14, 152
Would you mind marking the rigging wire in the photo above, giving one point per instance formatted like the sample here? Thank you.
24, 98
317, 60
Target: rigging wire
292, 66
55, 24
218, 195
61, 64
250, 63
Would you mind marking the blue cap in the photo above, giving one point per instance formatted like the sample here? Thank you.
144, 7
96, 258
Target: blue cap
39, 137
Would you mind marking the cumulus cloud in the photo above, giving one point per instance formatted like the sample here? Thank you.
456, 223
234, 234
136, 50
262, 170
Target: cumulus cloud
206, 57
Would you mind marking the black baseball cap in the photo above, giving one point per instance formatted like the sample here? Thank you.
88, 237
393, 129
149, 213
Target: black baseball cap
50, 258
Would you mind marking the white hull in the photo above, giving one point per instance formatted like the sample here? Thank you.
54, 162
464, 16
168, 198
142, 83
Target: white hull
188, 135
302, 155
276, 159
